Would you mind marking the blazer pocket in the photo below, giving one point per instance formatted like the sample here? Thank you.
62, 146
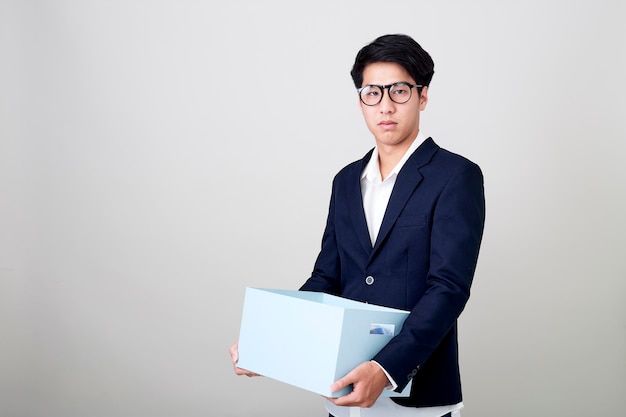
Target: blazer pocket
418, 220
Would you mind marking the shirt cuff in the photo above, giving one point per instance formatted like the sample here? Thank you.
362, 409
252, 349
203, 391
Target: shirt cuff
391, 384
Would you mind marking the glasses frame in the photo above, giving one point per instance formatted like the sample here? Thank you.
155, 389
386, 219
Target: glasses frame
388, 87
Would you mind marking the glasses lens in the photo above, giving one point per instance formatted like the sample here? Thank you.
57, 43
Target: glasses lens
371, 95
400, 92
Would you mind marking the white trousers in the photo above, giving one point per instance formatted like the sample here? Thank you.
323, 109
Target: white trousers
385, 407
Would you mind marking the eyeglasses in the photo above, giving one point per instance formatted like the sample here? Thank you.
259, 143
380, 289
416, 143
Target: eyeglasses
399, 93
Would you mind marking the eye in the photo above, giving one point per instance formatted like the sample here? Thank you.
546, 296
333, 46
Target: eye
400, 90
371, 94
370, 91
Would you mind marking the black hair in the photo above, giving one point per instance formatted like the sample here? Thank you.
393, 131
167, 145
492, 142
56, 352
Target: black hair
399, 49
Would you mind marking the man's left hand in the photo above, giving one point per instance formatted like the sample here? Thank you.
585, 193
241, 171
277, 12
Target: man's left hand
368, 381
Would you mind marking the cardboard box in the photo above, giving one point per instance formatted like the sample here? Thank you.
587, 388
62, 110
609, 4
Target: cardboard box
311, 339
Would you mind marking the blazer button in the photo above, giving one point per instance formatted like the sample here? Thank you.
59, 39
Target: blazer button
369, 280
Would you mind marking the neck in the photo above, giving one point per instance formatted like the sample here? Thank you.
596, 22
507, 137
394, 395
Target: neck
389, 156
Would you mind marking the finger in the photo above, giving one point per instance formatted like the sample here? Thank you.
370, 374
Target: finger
241, 371
234, 353
346, 400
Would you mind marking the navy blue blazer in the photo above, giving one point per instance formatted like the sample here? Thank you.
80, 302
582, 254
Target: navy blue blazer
423, 261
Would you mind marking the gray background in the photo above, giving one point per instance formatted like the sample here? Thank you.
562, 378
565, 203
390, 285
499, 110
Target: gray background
157, 157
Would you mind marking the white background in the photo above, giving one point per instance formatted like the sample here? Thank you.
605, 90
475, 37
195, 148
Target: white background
157, 157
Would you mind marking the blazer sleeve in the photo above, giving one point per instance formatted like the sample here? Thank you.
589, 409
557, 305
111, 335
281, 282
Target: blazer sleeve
457, 227
327, 270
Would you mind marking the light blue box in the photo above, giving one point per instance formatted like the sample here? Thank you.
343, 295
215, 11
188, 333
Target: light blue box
311, 339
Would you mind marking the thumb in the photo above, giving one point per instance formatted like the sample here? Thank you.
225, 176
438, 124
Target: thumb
342, 383
234, 352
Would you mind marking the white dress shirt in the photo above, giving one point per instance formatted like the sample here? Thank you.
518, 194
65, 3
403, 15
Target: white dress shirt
376, 194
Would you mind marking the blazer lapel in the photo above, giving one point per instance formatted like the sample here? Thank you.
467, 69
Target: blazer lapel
407, 181
355, 201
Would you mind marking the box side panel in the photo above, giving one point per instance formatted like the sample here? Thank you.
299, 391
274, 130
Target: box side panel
364, 334
290, 339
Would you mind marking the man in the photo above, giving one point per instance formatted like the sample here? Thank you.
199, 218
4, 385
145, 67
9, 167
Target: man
404, 229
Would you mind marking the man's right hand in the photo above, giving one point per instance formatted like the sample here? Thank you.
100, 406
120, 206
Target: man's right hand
234, 356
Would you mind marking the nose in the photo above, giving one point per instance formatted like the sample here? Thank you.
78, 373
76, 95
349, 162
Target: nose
386, 105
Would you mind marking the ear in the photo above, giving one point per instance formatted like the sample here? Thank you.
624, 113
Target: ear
424, 98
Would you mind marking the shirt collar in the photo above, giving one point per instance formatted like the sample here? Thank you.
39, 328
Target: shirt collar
372, 169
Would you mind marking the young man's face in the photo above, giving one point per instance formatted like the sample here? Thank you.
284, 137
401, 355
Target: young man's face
393, 125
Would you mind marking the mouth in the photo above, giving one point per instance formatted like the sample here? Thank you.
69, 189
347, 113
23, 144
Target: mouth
387, 124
